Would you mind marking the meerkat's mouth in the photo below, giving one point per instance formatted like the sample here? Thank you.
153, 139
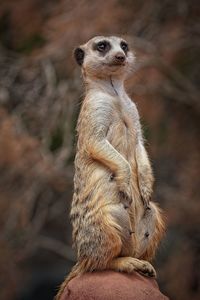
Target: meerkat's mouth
115, 64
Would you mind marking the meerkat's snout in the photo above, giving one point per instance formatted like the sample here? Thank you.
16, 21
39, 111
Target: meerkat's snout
119, 58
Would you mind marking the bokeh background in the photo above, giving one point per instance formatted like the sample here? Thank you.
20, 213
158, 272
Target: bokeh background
40, 98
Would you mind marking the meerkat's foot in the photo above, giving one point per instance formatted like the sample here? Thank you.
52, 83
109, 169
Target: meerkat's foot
130, 264
147, 269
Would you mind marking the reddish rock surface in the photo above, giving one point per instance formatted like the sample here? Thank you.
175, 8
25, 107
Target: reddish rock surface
112, 286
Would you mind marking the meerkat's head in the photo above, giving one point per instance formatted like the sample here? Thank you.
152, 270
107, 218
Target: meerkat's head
102, 57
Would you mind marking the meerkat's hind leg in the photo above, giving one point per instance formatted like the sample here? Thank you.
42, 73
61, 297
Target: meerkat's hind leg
131, 264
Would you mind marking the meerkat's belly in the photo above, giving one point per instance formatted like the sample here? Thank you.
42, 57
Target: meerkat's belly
126, 230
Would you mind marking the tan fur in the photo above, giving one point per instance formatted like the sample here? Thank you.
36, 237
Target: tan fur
111, 209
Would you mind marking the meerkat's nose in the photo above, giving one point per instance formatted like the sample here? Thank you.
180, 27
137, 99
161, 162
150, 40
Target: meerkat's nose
120, 57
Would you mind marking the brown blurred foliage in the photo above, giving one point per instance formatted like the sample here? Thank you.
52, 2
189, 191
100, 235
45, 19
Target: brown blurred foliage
40, 97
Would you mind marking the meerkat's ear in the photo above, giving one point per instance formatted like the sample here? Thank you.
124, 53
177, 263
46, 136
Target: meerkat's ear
79, 55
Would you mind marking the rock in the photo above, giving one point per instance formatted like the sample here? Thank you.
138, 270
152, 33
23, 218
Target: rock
109, 285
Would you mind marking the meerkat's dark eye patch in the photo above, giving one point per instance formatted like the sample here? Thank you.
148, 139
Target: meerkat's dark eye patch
124, 46
79, 56
102, 46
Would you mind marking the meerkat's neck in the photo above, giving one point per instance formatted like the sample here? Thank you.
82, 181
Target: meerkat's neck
110, 85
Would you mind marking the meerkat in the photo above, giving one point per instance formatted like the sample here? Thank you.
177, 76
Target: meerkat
115, 225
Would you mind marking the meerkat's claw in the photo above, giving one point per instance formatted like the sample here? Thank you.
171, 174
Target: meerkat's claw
147, 269
112, 176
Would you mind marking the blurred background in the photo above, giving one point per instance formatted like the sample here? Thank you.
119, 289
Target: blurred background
40, 98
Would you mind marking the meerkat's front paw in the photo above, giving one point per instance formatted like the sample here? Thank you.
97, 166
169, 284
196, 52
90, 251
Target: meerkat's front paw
145, 190
146, 193
124, 191
125, 197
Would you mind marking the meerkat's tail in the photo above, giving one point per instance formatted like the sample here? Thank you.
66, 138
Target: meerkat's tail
78, 269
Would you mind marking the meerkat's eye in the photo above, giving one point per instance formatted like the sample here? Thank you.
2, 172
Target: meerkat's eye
124, 46
103, 46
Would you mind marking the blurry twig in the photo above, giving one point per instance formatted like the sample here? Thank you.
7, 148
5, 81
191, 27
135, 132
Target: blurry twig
50, 75
184, 84
47, 243
56, 246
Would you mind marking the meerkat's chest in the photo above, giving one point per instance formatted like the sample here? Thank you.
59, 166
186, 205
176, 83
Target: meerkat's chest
124, 119
122, 131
